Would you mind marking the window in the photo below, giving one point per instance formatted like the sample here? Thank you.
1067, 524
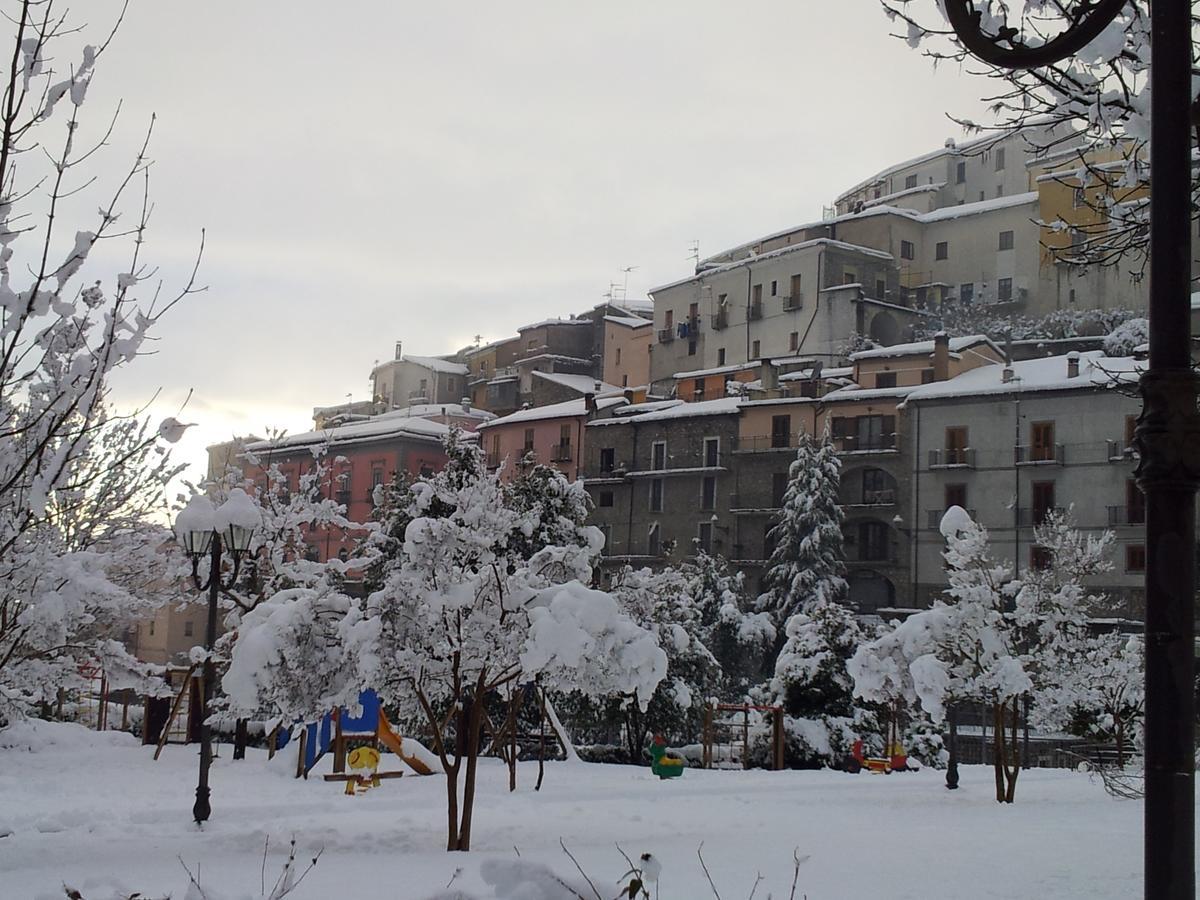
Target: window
693, 311
606, 531
873, 541
956, 446
960, 173
1043, 500
722, 301
755, 350
876, 486
1040, 557
564, 434
658, 455
618, 360
910, 182
999, 190
712, 452
956, 495
704, 537
1006, 240
756, 293
698, 388
424, 387
624, 381
779, 484
880, 288
151, 627
376, 477
1135, 503
769, 538
982, 196
608, 459
849, 277
966, 292
797, 291
670, 319
495, 460
907, 250
793, 340
942, 250
708, 493
774, 288
781, 431
691, 348
1130, 430
1042, 440
927, 376
999, 159
528, 439
653, 541
606, 498
656, 495
1135, 557
720, 356
885, 379
1004, 289
1078, 198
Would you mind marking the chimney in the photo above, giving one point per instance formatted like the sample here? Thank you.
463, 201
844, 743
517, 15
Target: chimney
941, 356
628, 392
768, 375
1073, 364
465, 402
398, 346
597, 385
589, 402
1007, 375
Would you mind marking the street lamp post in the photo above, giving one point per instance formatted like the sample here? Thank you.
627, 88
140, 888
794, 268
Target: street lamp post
1168, 430
205, 530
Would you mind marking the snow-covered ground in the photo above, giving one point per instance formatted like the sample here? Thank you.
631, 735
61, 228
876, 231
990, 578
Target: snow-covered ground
96, 812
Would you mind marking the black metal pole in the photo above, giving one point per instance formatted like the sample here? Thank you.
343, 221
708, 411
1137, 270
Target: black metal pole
202, 809
1167, 473
952, 762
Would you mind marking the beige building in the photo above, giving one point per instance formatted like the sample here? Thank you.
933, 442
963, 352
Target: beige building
627, 343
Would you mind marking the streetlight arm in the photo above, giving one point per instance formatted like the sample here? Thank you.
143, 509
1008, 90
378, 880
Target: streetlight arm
1088, 19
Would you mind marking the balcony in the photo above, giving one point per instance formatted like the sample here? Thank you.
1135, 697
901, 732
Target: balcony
561, 453
743, 503
1040, 455
666, 335
1127, 515
952, 458
882, 497
693, 324
934, 517
755, 311
765, 442
876, 443
1032, 517
1120, 451
720, 320
790, 304
417, 397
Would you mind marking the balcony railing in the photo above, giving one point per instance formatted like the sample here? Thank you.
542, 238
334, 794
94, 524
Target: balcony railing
1127, 515
882, 497
755, 311
764, 442
1040, 454
934, 517
853, 443
1034, 516
1119, 451
561, 453
666, 335
720, 320
793, 303
952, 457
693, 324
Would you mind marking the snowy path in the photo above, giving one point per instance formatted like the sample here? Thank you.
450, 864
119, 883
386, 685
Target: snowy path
101, 813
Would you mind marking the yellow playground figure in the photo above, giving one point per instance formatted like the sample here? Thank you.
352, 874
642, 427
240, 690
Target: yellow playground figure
364, 761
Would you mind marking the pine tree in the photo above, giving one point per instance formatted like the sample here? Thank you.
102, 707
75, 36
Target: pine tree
807, 566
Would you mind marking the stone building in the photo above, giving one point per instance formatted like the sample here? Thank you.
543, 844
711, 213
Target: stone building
410, 380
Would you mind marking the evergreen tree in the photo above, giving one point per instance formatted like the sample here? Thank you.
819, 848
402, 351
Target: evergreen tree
807, 566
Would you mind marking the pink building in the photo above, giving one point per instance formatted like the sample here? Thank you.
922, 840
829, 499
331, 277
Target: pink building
552, 435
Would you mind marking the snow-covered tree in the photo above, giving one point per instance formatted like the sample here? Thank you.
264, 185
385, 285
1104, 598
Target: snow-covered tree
807, 566
739, 638
812, 685
1099, 96
76, 480
1127, 337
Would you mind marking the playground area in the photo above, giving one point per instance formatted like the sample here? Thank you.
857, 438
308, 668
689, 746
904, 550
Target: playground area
93, 810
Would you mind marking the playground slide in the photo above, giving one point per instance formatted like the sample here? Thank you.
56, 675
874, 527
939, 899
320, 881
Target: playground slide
395, 743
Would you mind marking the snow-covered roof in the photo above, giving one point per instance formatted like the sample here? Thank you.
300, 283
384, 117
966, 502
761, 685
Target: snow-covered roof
544, 322
957, 345
628, 321
826, 373
585, 384
556, 356
907, 192
980, 206
566, 409
428, 410
437, 364
483, 348
791, 248
377, 428
1048, 373
852, 392
719, 370
636, 305
721, 407
637, 409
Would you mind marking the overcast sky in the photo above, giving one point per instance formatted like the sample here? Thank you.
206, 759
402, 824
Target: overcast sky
369, 172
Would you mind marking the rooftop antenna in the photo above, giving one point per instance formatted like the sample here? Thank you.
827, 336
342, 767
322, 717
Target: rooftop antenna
694, 252
625, 284
478, 339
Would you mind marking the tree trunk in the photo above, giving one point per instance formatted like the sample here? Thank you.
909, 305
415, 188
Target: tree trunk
474, 720
998, 749
452, 804
541, 739
1120, 735
1011, 772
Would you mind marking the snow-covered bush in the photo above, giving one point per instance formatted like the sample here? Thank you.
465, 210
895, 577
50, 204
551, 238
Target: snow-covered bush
1127, 337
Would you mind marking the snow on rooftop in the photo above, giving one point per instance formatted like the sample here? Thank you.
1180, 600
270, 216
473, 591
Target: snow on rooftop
585, 384
377, 428
980, 206
719, 370
723, 406
566, 409
1048, 373
437, 364
957, 345
907, 192
428, 410
855, 392
628, 321
545, 322
826, 373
